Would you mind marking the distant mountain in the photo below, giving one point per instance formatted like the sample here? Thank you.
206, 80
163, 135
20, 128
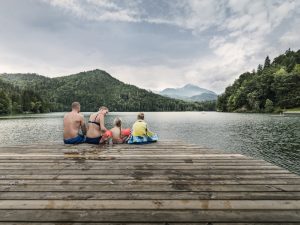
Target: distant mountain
190, 92
91, 88
204, 97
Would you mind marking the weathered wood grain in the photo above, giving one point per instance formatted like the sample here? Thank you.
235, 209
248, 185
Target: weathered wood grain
162, 183
156, 195
152, 204
150, 215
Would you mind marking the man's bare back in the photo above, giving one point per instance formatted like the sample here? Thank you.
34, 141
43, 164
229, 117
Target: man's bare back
73, 122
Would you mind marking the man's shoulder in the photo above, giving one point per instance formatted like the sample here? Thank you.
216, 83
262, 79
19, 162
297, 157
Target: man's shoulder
66, 114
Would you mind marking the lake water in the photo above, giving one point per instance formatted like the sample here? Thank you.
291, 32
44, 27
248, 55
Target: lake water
273, 138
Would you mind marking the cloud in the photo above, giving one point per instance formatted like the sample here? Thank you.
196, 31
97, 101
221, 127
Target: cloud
152, 44
291, 37
99, 10
190, 14
245, 41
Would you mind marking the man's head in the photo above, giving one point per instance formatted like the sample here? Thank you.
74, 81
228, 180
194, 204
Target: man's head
104, 110
76, 106
140, 116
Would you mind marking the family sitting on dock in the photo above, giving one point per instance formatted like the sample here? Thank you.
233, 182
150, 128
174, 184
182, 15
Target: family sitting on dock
97, 133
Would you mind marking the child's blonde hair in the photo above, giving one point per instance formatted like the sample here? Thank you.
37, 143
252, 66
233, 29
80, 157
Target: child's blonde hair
117, 122
140, 116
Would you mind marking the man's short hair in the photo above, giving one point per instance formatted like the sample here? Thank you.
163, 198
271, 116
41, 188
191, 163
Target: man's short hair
103, 108
140, 116
75, 105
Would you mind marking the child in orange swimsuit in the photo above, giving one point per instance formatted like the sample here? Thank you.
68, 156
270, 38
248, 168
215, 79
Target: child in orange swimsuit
116, 134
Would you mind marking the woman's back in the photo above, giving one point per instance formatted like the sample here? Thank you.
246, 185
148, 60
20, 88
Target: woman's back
94, 128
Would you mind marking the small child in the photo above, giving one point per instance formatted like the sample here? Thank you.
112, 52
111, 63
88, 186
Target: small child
119, 135
140, 133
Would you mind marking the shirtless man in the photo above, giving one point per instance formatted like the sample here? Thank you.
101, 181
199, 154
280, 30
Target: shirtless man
96, 126
73, 122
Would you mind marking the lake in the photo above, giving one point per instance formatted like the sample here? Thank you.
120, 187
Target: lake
273, 138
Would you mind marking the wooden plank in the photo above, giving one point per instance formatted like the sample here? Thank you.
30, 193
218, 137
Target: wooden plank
140, 173
152, 204
106, 148
145, 181
150, 216
101, 148
139, 167
140, 162
149, 187
118, 156
108, 160
120, 152
156, 195
97, 163
112, 158
154, 223
71, 223
153, 177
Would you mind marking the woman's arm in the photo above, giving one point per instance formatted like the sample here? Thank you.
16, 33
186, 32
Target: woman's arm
101, 121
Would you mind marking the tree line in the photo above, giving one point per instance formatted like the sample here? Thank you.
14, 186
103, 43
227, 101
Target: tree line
273, 87
16, 100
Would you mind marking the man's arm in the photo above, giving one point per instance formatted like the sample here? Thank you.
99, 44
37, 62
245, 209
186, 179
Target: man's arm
82, 125
102, 126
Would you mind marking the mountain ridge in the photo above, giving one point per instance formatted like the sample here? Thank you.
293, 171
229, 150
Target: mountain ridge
190, 92
92, 89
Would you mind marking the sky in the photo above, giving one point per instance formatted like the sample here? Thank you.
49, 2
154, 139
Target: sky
154, 44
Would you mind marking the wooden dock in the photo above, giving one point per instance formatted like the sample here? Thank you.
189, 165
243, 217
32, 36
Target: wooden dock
161, 183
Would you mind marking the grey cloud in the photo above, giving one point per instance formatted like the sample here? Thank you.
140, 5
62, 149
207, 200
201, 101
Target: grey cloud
152, 44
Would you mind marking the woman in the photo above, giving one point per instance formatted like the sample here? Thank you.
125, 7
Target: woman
96, 126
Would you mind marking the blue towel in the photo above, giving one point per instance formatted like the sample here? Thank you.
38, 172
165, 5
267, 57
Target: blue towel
142, 139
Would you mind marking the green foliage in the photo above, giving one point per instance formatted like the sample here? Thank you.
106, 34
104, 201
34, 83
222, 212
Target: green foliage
296, 69
259, 69
281, 72
92, 89
269, 107
274, 87
16, 100
267, 62
4, 103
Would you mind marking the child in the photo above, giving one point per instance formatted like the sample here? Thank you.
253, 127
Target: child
140, 133
119, 135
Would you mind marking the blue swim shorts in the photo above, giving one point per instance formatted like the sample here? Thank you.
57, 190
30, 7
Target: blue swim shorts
93, 140
76, 140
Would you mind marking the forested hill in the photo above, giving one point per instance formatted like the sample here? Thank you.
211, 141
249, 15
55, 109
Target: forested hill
273, 87
92, 89
18, 100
